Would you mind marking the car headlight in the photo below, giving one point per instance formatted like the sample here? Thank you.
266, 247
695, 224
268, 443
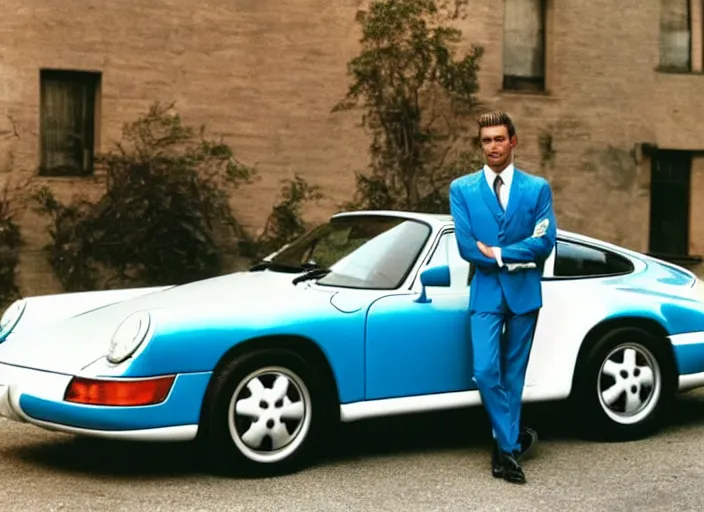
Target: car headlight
128, 337
11, 317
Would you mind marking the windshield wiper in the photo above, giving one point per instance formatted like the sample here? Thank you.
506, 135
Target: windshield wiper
311, 274
276, 266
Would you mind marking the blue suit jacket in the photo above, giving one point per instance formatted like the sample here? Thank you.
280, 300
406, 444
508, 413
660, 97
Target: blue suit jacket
478, 216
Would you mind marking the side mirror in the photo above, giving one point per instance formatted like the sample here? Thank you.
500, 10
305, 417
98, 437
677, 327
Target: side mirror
433, 276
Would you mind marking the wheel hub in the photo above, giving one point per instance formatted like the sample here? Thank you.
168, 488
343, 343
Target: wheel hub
629, 383
269, 414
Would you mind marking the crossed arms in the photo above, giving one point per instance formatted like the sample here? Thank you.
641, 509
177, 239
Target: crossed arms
522, 254
466, 242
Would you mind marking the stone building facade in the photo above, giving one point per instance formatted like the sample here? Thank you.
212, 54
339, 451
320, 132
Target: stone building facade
607, 98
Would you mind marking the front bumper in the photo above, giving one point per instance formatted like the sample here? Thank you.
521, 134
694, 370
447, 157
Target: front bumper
36, 397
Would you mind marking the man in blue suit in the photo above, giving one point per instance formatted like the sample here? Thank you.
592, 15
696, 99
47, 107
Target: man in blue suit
505, 226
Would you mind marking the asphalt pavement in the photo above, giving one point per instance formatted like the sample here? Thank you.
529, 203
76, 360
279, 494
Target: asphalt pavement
424, 463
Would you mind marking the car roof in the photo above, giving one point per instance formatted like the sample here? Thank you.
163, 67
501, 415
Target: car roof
435, 219
440, 220
445, 220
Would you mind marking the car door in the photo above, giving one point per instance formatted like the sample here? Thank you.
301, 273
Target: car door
422, 348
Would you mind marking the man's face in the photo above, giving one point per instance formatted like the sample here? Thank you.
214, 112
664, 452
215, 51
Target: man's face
497, 146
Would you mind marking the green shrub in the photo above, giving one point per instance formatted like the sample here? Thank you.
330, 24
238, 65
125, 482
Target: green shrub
10, 244
285, 223
164, 216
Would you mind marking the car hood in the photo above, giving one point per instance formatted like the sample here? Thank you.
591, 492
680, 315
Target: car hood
67, 345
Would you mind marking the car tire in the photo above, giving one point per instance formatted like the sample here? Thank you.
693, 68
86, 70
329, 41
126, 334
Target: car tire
624, 386
253, 427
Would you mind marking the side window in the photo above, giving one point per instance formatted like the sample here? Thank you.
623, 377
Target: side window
440, 254
448, 253
577, 260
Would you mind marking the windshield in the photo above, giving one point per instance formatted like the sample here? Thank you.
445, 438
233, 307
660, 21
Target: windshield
365, 251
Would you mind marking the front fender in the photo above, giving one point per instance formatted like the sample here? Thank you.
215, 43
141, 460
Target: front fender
43, 310
190, 342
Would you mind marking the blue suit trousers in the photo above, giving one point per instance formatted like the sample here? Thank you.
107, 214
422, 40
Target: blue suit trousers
501, 344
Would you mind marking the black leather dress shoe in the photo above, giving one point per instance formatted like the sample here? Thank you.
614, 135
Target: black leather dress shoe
511, 470
528, 438
496, 468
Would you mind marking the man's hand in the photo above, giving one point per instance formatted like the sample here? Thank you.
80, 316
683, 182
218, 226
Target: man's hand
486, 250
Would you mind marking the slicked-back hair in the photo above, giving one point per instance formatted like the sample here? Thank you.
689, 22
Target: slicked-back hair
496, 118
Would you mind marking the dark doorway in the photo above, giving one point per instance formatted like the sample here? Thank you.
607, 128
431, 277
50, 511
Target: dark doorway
669, 203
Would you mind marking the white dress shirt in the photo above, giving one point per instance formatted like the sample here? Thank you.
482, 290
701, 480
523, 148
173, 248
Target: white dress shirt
504, 193
506, 176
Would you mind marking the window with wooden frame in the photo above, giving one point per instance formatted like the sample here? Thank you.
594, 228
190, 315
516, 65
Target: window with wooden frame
681, 35
524, 47
68, 121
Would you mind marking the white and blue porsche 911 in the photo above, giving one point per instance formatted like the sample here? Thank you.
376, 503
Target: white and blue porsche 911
364, 316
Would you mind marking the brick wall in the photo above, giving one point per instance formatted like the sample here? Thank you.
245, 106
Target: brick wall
266, 74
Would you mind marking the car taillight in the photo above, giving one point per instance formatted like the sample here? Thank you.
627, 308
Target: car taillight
118, 392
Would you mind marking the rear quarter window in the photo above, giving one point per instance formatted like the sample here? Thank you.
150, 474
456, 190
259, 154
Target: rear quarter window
579, 260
